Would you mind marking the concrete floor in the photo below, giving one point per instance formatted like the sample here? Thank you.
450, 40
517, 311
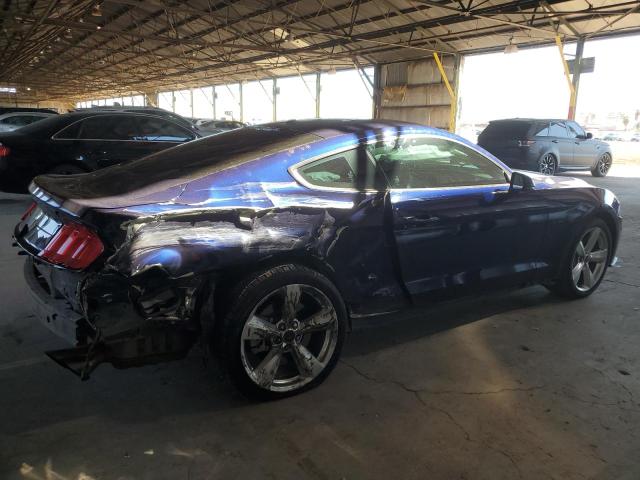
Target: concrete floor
515, 385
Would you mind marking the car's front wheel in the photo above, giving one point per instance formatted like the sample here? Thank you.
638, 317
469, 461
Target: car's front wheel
586, 262
601, 168
548, 164
283, 331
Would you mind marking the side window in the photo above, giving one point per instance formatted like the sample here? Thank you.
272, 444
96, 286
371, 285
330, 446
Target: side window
107, 127
69, 133
428, 162
557, 129
575, 130
541, 130
152, 129
340, 171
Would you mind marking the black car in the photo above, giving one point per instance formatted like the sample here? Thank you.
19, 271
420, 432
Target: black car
546, 146
82, 142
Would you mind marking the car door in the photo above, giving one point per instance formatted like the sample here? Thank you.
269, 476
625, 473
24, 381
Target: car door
561, 144
456, 224
105, 140
585, 149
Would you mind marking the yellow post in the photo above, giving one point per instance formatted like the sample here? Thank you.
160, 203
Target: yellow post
572, 90
452, 94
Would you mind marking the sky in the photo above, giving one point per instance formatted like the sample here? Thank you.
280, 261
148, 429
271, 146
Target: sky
531, 82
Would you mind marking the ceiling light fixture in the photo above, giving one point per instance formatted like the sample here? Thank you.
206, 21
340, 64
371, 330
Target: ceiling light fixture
96, 11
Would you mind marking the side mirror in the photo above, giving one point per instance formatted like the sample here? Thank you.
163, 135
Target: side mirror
589, 135
520, 182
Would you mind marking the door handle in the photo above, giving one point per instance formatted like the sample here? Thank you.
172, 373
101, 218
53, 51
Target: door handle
554, 141
420, 218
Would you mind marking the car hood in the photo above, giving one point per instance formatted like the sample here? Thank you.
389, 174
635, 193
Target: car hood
544, 182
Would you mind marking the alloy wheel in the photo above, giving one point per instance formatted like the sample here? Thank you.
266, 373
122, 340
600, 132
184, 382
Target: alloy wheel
604, 164
289, 338
589, 259
547, 165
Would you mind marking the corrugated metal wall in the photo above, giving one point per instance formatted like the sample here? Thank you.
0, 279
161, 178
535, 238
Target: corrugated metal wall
415, 92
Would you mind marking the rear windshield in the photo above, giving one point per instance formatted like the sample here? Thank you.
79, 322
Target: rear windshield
505, 131
194, 159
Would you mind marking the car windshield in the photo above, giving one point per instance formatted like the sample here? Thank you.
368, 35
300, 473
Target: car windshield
194, 159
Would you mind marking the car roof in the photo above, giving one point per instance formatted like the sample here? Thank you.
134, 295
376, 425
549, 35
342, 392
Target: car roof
326, 128
21, 114
530, 120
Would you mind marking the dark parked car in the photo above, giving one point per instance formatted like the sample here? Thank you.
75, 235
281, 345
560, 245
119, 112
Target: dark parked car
267, 242
546, 146
82, 142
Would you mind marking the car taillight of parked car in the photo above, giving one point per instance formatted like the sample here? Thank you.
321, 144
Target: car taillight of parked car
74, 246
526, 143
4, 150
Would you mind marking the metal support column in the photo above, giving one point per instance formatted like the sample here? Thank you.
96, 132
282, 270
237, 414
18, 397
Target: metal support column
577, 68
377, 91
318, 95
274, 96
241, 109
213, 101
452, 93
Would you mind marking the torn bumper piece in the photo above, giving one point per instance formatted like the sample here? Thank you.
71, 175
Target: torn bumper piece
131, 350
116, 332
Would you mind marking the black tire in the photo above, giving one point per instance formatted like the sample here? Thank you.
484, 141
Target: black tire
602, 166
66, 169
565, 285
248, 295
548, 164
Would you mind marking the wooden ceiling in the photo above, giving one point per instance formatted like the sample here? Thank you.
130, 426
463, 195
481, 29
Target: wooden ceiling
79, 49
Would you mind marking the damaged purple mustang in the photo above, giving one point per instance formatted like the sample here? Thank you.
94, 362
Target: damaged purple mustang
265, 243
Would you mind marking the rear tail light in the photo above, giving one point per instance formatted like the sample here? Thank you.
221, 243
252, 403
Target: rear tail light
526, 143
29, 211
73, 246
4, 150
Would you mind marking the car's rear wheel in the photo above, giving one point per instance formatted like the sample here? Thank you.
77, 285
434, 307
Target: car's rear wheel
601, 168
66, 169
283, 332
548, 164
586, 262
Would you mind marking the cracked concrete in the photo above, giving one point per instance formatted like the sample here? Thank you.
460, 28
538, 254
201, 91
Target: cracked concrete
510, 385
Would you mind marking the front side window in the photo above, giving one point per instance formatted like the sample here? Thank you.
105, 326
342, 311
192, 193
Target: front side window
575, 130
429, 162
557, 129
153, 129
341, 170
